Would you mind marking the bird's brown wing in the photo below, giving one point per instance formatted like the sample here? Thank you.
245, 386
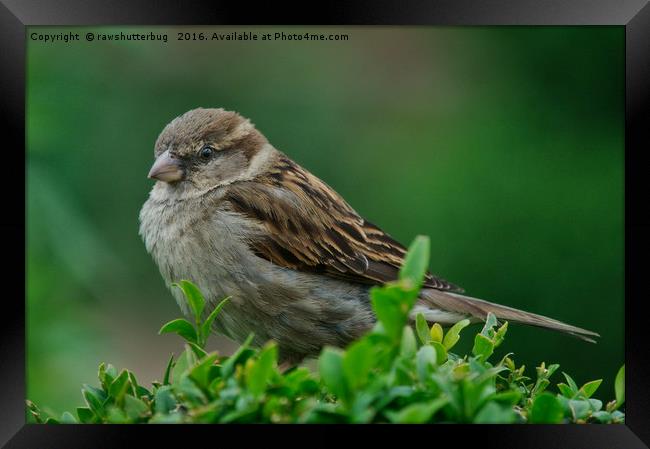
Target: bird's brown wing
326, 236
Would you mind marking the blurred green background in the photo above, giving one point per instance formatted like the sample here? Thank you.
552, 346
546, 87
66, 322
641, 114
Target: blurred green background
505, 145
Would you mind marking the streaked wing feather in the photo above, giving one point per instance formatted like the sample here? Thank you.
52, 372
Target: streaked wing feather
327, 237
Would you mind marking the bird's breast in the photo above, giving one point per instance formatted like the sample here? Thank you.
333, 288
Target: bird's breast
189, 241
208, 246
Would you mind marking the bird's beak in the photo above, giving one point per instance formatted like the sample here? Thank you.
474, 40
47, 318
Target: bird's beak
166, 168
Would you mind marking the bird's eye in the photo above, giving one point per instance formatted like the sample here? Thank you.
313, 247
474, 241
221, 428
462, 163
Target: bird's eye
206, 152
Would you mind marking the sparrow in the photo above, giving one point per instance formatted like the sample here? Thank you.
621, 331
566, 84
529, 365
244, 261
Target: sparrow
240, 219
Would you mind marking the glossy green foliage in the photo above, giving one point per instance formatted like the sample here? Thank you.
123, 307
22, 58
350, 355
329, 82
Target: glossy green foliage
394, 374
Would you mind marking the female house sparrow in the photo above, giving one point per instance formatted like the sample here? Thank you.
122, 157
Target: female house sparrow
239, 218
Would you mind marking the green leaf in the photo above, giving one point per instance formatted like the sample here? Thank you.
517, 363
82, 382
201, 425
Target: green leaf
106, 374
198, 351
493, 413
168, 370
590, 388
596, 404
181, 327
119, 386
117, 416
67, 418
546, 409
228, 366
409, 345
618, 416
441, 352
262, 370
330, 367
453, 334
602, 417
422, 329
387, 305
164, 400
490, 322
94, 398
572, 385
400, 391
510, 397
194, 298
200, 373
358, 361
188, 391
134, 407
206, 327
460, 371
183, 364
540, 386
134, 384
417, 413
425, 362
483, 347
436, 333
415, 263
580, 408
619, 386
501, 334
551, 369
172, 418
565, 390
86, 415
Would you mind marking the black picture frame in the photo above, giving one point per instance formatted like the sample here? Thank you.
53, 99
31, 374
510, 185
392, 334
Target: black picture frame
633, 15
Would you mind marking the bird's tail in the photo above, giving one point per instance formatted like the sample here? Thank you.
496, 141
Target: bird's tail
478, 309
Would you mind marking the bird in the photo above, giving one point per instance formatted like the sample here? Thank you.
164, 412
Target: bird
240, 219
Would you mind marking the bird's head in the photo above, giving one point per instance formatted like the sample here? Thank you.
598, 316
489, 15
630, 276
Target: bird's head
206, 148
